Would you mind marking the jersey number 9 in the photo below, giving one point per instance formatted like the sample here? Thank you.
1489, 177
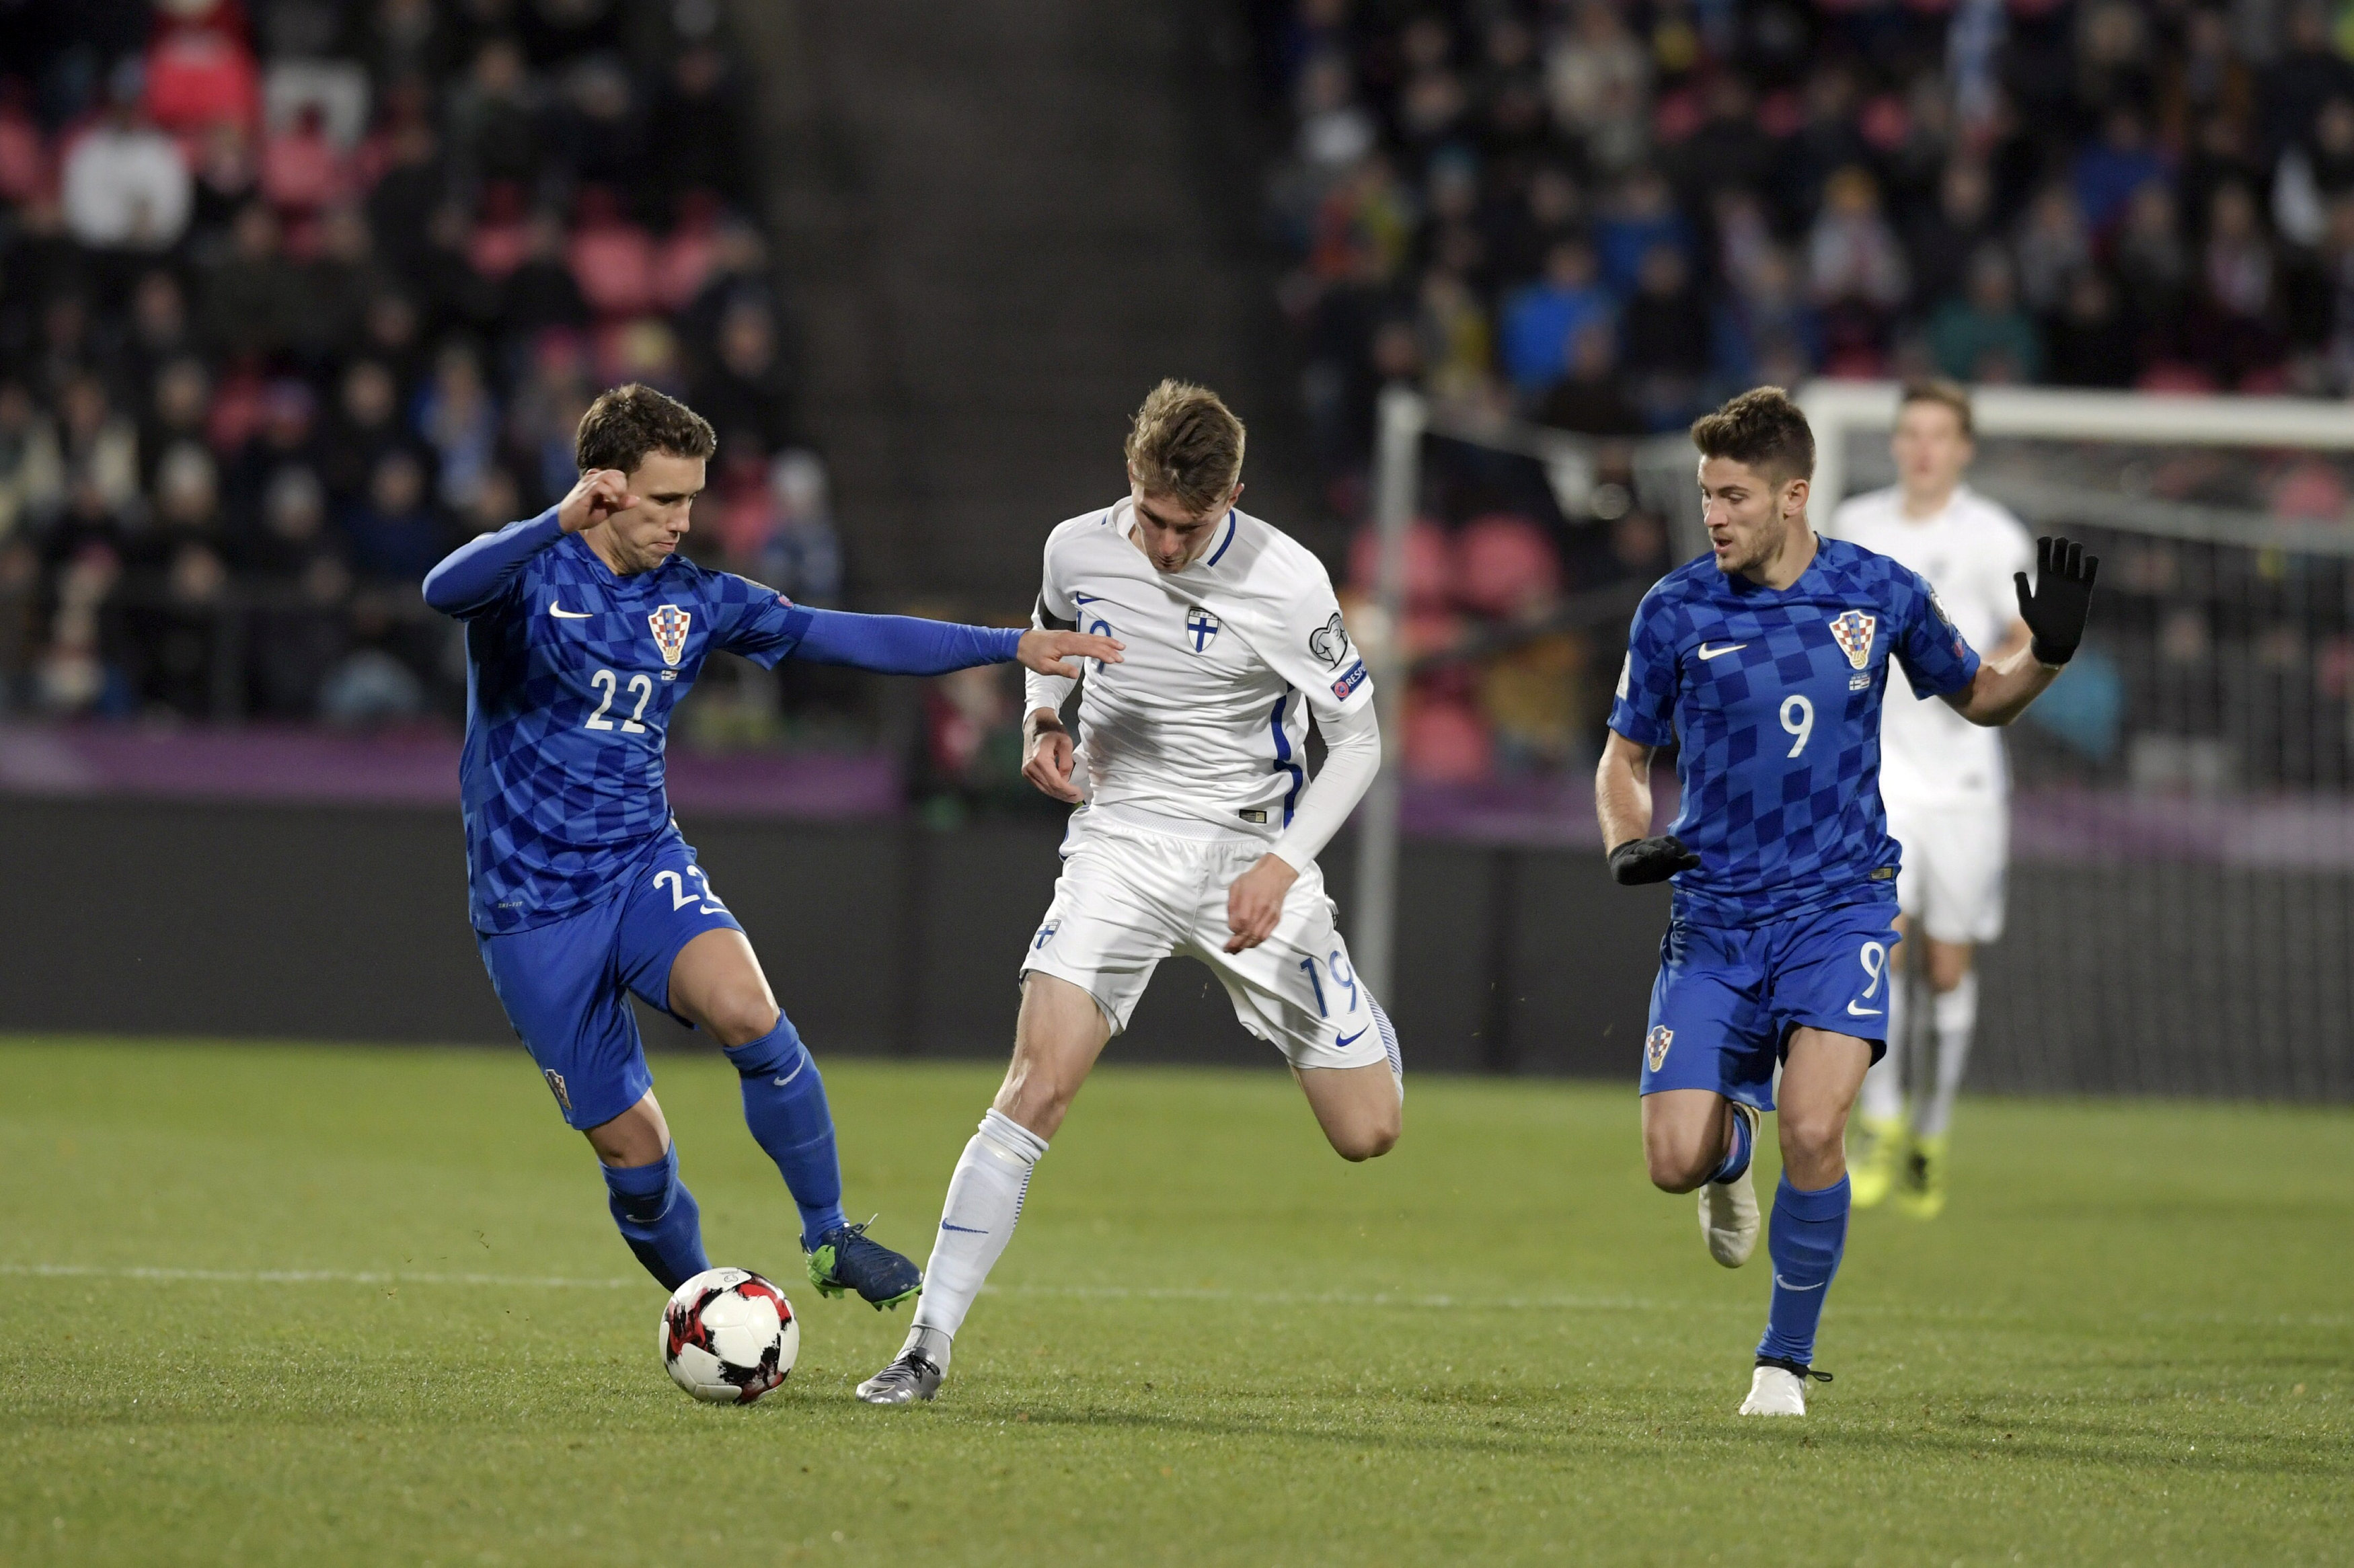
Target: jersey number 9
1798, 719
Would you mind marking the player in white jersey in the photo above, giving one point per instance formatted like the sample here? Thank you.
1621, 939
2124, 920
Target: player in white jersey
1943, 781
1195, 831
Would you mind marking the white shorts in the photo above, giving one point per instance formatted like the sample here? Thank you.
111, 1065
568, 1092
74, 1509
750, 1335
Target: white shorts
1957, 860
1131, 896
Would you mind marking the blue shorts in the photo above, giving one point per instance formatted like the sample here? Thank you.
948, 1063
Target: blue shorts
1727, 996
566, 986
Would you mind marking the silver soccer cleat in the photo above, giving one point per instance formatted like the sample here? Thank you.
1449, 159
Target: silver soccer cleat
904, 1382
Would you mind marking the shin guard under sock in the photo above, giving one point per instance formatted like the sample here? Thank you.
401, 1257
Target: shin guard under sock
1955, 1016
985, 1196
784, 1104
1806, 1237
657, 1218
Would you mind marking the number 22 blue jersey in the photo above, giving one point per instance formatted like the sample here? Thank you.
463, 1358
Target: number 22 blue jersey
571, 676
1772, 697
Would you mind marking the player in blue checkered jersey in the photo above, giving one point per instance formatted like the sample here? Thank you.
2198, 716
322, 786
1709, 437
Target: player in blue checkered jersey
583, 628
1764, 664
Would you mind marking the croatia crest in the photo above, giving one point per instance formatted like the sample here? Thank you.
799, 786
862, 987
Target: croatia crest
1655, 1046
1852, 632
669, 624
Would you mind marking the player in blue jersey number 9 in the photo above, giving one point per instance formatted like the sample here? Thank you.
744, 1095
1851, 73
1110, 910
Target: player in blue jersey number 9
1765, 663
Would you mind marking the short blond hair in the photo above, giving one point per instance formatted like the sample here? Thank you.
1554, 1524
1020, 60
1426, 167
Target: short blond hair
1946, 393
1185, 443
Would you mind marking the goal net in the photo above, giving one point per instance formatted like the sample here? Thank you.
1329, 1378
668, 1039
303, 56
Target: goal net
2182, 898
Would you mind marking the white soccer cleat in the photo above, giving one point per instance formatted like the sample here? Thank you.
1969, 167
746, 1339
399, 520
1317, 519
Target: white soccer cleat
1776, 1390
1729, 1220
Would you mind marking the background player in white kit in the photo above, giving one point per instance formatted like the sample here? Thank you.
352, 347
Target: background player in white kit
1196, 830
1943, 781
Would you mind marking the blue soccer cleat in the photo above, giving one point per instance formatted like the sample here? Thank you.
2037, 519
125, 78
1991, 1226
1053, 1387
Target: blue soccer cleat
845, 1258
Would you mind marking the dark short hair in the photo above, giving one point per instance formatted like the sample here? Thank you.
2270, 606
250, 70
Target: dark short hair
1940, 390
1762, 428
625, 423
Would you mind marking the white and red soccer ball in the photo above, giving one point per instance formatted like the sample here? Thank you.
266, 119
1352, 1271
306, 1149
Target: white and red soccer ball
729, 1336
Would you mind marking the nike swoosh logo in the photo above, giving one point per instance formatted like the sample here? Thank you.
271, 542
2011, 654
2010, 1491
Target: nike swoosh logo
966, 1229
1787, 1285
561, 613
1346, 1039
1855, 1012
1708, 652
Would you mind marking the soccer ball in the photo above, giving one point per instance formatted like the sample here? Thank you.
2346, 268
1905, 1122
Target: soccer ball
729, 1336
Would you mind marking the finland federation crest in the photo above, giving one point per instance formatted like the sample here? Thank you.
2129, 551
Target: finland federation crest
1200, 626
669, 624
1852, 632
1655, 1046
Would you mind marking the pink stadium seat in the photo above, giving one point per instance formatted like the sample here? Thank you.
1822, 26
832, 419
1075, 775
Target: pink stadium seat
1504, 565
611, 258
1429, 566
1447, 743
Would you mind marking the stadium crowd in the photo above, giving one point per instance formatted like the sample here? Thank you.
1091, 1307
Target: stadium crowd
1608, 215
296, 294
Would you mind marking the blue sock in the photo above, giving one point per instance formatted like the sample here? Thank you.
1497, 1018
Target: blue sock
1737, 1159
659, 1219
784, 1104
1808, 1233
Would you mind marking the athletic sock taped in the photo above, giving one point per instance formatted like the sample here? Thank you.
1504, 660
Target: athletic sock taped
785, 1107
1736, 1157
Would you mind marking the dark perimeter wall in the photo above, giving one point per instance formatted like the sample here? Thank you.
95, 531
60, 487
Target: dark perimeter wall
334, 923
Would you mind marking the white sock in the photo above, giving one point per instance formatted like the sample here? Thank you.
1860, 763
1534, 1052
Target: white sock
1883, 1087
992, 1177
1955, 1014
1390, 1045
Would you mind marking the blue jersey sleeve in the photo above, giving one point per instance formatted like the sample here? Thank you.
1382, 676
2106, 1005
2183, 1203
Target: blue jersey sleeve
471, 577
1645, 708
755, 620
765, 627
1936, 658
903, 644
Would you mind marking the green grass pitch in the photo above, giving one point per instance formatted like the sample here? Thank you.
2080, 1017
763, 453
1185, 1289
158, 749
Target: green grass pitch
2129, 1340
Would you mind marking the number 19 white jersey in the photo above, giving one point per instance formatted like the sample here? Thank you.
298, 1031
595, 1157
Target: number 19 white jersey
1208, 717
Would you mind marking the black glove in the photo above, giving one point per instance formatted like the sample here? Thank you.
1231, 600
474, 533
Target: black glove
1639, 861
2055, 611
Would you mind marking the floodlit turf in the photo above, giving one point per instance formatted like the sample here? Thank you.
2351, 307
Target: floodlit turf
2131, 1337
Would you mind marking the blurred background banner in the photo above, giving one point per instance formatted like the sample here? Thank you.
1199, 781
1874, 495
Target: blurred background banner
295, 295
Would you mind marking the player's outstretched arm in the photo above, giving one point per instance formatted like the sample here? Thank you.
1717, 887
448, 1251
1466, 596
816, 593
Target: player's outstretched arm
907, 645
1622, 801
2055, 611
479, 570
